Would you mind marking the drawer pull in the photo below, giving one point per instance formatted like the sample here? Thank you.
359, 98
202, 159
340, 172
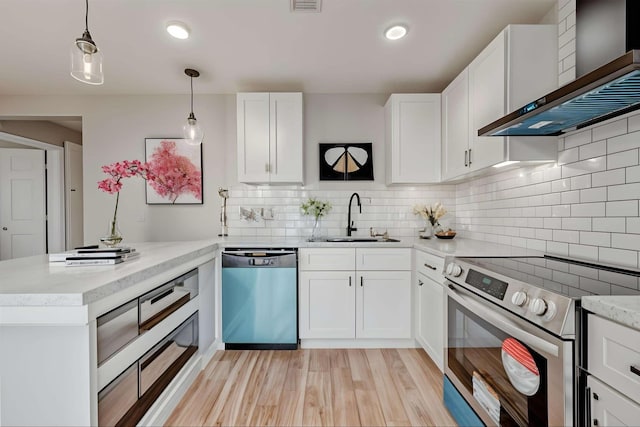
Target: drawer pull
161, 296
634, 370
420, 283
360, 281
349, 280
595, 396
430, 266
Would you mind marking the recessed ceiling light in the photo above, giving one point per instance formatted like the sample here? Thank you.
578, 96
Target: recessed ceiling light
396, 32
178, 29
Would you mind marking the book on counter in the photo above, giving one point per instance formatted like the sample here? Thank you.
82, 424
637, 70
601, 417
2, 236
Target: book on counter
106, 255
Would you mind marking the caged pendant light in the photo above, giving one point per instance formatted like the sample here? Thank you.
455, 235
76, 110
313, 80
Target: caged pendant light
86, 58
192, 132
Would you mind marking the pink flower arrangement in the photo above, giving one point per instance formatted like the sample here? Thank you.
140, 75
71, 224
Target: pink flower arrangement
117, 172
173, 174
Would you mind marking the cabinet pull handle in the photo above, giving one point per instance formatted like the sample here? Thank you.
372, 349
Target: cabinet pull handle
634, 370
266, 167
420, 283
360, 281
465, 158
469, 157
587, 409
595, 396
349, 280
429, 266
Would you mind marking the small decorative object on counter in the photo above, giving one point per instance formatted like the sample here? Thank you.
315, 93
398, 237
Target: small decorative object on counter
445, 234
318, 209
431, 215
117, 171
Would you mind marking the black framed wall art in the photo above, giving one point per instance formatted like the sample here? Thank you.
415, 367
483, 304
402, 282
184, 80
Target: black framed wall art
346, 161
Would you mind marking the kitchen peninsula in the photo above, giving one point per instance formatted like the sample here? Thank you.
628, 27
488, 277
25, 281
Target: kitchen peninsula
49, 366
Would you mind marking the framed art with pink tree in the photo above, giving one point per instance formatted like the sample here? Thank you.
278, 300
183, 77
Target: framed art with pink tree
177, 170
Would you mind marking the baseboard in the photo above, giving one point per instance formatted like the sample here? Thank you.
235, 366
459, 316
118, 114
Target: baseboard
160, 411
208, 353
359, 343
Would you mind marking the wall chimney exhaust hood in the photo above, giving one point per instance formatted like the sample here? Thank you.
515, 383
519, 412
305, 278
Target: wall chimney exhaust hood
604, 93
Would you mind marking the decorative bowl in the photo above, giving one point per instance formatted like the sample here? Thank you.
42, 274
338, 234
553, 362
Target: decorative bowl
446, 234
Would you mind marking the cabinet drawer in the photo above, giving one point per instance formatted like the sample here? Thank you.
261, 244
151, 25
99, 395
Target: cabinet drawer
115, 400
116, 329
429, 265
610, 408
395, 259
614, 355
330, 259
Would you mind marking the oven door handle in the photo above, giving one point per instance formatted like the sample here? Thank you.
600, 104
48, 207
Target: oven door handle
501, 322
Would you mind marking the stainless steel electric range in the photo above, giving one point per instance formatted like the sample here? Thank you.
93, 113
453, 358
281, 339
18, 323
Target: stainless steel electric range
511, 336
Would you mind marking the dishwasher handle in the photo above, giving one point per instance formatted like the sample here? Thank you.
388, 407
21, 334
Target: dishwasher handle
259, 260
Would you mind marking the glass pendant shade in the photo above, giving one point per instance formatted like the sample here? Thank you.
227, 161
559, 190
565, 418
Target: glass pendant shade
192, 132
86, 61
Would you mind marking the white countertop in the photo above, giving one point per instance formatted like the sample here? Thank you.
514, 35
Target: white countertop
33, 281
624, 309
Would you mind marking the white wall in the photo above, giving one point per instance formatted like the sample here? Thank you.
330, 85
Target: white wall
114, 129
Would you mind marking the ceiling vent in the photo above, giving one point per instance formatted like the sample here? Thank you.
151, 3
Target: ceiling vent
306, 5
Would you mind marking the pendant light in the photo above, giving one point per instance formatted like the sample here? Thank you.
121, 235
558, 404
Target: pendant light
192, 131
86, 58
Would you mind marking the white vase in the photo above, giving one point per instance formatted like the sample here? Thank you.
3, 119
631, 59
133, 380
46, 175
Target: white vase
427, 232
315, 232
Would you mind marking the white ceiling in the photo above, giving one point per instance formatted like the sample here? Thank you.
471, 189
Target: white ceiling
251, 45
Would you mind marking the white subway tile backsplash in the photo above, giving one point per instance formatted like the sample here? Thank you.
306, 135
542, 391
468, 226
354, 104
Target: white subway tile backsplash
622, 159
568, 156
577, 139
566, 236
583, 224
553, 223
612, 177
570, 197
609, 130
588, 210
592, 150
567, 49
584, 252
618, 256
623, 142
633, 225
595, 238
625, 241
624, 192
593, 195
634, 123
625, 208
608, 224
561, 211
580, 182
558, 248
633, 174
583, 167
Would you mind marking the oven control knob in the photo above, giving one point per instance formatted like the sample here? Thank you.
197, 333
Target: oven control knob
519, 298
538, 306
453, 270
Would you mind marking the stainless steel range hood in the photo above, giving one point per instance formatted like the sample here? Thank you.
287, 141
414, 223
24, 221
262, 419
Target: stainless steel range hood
604, 93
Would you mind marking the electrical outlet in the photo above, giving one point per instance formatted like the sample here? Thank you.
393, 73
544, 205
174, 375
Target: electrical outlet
267, 213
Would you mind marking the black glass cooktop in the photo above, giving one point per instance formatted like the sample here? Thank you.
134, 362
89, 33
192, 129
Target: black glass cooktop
565, 276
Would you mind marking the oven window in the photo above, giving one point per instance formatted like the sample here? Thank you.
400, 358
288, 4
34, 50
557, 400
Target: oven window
506, 377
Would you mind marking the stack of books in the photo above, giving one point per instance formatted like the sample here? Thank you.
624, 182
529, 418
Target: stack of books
93, 256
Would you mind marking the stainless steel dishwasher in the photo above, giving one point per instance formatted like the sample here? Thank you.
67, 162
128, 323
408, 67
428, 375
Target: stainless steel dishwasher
260, 299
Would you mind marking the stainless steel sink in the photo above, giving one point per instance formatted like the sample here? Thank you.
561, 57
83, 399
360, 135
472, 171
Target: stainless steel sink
349, 239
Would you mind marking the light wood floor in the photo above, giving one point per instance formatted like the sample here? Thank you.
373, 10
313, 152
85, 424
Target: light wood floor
373, 387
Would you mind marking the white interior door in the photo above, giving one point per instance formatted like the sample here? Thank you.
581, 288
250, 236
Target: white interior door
74, 194
22, 203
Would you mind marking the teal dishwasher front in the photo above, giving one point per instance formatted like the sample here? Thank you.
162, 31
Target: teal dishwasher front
260, 299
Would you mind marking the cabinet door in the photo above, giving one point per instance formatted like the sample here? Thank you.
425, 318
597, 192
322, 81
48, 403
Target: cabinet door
609, 408
327, 304
430, 323
414, 145
253, 137
455, 126
285, 158
383, 304
487, 102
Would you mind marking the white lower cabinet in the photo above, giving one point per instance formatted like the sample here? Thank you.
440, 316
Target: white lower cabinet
430, 322
354, 303
610, 408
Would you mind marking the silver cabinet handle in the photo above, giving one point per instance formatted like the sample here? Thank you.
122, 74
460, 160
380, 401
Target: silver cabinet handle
360, 281
430, 266
349, 280
469, 157
465, 159
634, 370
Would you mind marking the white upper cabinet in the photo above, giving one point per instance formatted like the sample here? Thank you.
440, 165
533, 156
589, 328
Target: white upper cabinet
518, 66
270, 137
413, 138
